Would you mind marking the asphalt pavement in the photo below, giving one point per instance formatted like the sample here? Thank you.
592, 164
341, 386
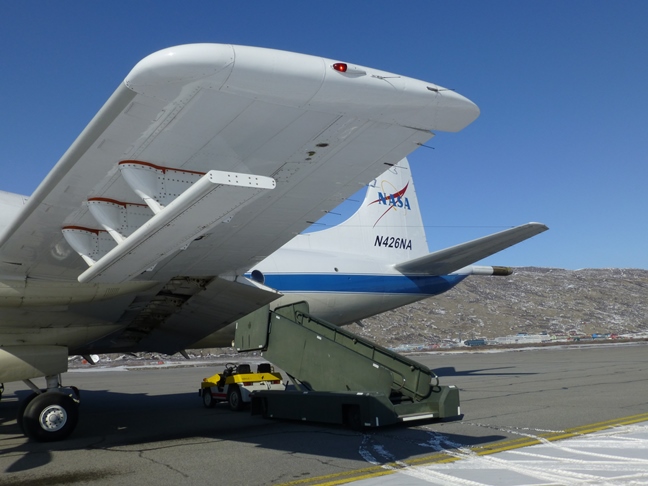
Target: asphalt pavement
148, 426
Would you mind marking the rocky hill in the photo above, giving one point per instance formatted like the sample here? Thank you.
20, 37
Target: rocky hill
532, 300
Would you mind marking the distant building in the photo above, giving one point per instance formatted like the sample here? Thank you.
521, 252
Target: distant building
475, 342
523, 338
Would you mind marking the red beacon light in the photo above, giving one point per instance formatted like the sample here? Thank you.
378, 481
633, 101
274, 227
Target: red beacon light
343, 67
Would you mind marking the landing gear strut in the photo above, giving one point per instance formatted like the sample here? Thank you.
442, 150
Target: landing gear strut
51, 414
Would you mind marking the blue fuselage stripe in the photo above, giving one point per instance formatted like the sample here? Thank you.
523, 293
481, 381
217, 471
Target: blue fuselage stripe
350, 283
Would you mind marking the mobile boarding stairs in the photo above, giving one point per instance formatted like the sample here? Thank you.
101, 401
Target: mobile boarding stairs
339, 377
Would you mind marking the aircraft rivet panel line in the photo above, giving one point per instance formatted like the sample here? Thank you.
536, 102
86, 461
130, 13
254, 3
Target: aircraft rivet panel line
119, 219
91, 244
157, 186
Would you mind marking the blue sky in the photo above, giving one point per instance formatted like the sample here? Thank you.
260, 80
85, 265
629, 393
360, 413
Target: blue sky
562, 137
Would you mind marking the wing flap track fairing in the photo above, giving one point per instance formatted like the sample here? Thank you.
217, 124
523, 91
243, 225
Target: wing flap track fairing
213, 198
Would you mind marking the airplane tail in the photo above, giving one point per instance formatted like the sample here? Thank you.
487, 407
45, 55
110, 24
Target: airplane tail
377, 259
387, 226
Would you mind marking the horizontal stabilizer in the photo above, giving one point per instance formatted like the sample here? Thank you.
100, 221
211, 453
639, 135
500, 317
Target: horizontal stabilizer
444, 262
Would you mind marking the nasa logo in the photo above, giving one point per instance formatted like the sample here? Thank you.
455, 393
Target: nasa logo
395, 201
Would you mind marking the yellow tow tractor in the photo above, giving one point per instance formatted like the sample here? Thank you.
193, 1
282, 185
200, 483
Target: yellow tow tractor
235, 384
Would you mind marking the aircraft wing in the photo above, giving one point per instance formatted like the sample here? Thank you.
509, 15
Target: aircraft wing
444, 262
204, 161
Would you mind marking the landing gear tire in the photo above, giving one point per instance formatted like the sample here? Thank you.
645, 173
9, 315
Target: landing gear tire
208, 400
22, 408
50, 416
234, 398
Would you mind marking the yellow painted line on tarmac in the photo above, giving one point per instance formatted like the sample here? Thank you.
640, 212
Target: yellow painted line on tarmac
451, 455
553, 436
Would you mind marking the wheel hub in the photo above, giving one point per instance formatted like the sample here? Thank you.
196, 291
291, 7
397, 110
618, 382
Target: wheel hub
53, 418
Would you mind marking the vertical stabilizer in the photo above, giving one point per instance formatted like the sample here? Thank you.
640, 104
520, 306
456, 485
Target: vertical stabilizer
387, 226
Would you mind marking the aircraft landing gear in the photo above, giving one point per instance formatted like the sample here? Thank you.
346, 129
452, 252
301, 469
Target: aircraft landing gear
51, 414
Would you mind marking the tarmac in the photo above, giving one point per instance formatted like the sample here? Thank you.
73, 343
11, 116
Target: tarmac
572, 415
601, 454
